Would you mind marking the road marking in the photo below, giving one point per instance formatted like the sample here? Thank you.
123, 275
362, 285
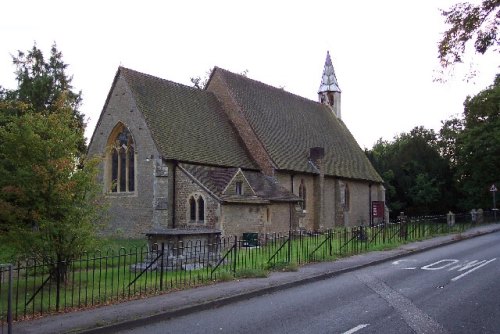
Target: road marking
355, 329
475, 268
448, 262
407, 268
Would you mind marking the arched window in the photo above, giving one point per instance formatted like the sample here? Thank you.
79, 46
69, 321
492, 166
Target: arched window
192, 209
121, 161
196, 209
201, 209
302, 194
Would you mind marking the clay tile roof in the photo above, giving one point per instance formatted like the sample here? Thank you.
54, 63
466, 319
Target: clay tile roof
187, 124
217, 178
289, 125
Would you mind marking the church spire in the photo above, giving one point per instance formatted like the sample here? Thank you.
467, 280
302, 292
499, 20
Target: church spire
329, 90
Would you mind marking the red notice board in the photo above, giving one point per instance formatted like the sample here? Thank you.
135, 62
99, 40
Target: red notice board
378, 209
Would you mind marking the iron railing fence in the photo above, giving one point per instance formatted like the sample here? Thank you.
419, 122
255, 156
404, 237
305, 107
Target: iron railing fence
105, 277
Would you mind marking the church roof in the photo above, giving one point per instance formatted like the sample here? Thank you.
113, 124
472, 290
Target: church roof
329, 80
187, 124
289, 125
216, 179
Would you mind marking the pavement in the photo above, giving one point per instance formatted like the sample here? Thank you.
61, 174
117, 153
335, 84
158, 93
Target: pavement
111, 318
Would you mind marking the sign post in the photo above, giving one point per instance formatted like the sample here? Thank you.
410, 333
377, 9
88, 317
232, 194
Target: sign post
493, 190
377, 209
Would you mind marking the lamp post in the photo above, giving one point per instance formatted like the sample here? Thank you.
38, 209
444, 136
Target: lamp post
493, 190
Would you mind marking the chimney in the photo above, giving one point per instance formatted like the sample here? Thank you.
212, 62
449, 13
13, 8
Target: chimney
316, 154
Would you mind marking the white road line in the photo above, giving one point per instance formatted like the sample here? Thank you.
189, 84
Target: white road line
475, 268
447, 263
355, 329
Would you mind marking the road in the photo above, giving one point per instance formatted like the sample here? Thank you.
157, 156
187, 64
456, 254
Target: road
451, 289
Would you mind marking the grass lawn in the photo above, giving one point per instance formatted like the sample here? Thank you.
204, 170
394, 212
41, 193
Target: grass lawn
107, 275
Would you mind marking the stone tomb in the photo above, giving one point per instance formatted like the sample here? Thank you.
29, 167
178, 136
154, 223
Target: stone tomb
183, 249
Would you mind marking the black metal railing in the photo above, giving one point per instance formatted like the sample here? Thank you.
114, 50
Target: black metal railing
99, 278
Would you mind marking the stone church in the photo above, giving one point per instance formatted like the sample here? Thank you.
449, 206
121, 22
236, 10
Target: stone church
237, 157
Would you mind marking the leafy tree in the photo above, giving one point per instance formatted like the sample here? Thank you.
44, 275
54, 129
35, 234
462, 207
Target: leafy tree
417, 178
469, 22
49, 197
448, 136
48, 203
478, 147
424, 191
42, 82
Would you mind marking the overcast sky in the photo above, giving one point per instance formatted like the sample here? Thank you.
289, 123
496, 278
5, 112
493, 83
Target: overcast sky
384, 52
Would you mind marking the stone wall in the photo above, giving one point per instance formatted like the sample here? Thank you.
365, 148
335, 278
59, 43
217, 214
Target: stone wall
334, 213
329, 204
131, 213
306, 221
279, 217
185, 187
359, 210
242, 218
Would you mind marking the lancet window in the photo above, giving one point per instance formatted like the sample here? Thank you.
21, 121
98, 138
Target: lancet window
121, 161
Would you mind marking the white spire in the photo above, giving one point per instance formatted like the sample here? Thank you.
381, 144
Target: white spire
329, 80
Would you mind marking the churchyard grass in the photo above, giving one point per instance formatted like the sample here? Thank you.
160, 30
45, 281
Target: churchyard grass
119, 273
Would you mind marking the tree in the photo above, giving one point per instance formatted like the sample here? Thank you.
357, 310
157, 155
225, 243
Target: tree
49, 204
478, 146
41, 83
448, 136
50, 200
201, 83
469, 22
424, 191
417, 178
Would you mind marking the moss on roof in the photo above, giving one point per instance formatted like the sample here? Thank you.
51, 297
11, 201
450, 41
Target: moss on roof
289, 125
216, 180
187, 124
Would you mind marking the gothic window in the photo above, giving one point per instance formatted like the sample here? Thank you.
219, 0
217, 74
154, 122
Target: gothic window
192, 209
302, 194
120, 161
196, 209
201, 209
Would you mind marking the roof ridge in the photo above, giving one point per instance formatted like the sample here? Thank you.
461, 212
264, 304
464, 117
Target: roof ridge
282, 90
151, 76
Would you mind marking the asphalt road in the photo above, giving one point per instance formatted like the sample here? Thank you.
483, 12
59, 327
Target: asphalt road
451, 289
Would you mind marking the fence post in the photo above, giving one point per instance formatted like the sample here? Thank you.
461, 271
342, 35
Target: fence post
235, 256
161, 265
58, 285
9, 302
289, 255
330, 236
403, 228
